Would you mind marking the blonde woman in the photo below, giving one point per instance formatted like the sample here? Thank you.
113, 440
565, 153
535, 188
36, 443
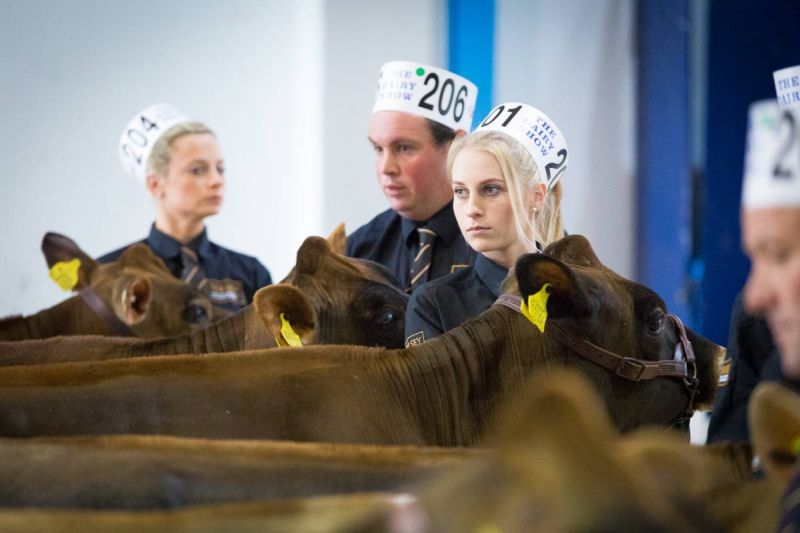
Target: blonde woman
181, 164
507, 194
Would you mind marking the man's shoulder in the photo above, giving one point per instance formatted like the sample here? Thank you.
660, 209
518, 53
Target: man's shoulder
371, 232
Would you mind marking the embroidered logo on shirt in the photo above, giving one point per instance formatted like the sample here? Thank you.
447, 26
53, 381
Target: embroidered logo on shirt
415, 339
225, 291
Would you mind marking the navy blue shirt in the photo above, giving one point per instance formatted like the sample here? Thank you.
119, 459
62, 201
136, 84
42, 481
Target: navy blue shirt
448, 302
392, 241
754, 358
233, 278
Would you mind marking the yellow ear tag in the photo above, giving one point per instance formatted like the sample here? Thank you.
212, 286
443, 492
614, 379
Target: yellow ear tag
536, 310
291, 338
65, 274
796, 446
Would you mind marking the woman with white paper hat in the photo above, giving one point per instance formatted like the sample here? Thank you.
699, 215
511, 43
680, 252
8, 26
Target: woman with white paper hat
180, 162
507, 200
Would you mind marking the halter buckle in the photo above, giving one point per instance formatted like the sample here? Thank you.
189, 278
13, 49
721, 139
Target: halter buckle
630, 368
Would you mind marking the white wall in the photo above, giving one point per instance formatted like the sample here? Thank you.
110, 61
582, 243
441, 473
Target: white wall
288, 87
574, 59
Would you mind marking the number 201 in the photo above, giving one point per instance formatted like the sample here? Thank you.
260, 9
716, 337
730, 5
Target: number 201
445, 103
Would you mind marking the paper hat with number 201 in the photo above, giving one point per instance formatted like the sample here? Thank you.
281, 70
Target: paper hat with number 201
142, 133
772, 156
536, 132
426, 91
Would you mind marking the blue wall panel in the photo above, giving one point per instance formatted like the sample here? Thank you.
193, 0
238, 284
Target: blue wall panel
470, 47
663, 218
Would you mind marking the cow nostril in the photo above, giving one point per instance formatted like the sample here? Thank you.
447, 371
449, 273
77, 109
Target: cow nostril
195, 314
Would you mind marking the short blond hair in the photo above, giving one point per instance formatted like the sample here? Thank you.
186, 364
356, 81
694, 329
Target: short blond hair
521, 175
158, 162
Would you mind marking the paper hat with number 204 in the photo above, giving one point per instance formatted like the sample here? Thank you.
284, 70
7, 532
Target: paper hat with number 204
772, 157
141, 134
536, 132
427, 91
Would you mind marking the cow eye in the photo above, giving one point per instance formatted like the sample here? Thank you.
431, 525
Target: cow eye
655, 323
195, 314
387, 317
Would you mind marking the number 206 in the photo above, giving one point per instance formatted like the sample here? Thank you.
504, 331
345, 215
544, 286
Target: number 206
446, 96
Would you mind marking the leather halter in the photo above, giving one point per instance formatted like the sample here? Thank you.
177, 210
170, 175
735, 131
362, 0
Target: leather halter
105, 314
684, 365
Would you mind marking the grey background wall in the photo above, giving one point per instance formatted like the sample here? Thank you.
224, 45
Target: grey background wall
288, 87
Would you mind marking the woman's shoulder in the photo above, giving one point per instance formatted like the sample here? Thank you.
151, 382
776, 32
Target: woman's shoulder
445, 284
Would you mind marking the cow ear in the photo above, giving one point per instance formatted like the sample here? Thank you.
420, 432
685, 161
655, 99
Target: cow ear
774, 415
574, 250
338, 239
567, 298
140, 255
136, 297
310, 255
58, 248
275, 300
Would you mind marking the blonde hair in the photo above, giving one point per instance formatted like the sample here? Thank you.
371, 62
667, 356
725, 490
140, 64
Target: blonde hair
158, 162
521, 175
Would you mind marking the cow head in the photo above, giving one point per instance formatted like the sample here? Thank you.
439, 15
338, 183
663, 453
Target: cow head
328, 297
619, 315
137, 288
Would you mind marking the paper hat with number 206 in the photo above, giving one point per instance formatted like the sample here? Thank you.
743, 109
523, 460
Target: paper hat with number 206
536, 132
772, 157
427, 91
141, 134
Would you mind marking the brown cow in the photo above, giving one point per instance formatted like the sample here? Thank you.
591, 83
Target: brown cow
135, 295
442, 392
327, 298
150, 472
557, 464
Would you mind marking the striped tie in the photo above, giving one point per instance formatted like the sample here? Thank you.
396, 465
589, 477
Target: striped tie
191, 271
420, 267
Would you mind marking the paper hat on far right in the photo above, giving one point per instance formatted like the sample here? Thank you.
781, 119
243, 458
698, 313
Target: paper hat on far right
142, 133
536, 132
787, 86
772, 156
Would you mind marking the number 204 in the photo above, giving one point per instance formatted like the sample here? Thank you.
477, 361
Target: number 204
449, 98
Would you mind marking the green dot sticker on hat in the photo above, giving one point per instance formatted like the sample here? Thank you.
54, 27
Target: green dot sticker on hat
426, 91
65, 274
536, 132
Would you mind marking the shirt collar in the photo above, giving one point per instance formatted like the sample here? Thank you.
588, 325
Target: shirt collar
165, 246
490, 273
443, 222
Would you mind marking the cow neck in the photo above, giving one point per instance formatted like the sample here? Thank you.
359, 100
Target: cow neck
228, 334
472, 369
65, 318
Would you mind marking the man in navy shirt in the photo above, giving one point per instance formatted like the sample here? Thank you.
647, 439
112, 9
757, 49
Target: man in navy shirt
419, 109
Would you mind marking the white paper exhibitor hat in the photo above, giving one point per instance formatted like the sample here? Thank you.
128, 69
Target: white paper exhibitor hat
427, 91
536, 132
142, 132
772, 156
787, 86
